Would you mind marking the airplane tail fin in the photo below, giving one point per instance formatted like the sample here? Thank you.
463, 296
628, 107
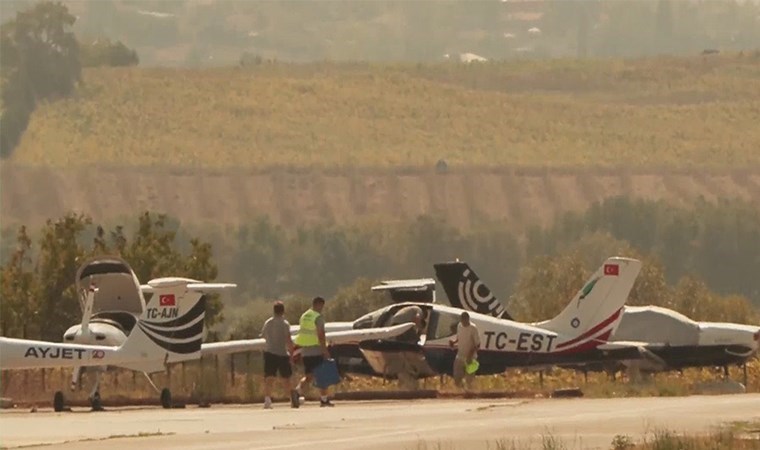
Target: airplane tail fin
172, 324
595, 312
465, 290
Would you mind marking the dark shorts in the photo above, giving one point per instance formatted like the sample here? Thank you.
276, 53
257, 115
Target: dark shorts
277, 363
311, 362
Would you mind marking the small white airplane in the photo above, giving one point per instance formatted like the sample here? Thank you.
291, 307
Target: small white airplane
667, 340
578, 334
120, 329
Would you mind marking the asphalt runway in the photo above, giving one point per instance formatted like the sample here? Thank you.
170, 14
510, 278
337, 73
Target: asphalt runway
471, 424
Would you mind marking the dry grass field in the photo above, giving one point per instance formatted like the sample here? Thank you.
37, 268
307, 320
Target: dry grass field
662, 112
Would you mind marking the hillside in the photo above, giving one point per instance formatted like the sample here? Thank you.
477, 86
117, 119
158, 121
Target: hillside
513, 197
692, 112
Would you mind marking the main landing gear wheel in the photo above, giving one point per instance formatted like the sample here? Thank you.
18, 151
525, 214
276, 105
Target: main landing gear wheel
58, 401
166, 398
96, 403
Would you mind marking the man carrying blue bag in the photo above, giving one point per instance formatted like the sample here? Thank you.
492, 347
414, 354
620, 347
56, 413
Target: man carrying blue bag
311, 340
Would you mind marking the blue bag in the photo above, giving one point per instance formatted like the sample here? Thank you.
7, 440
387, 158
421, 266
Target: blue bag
326, 374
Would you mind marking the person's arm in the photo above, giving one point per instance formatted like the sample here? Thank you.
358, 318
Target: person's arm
455, 340
322, 339
264, 330
289, 339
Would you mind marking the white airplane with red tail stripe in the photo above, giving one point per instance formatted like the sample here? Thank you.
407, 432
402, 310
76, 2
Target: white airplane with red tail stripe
579, 333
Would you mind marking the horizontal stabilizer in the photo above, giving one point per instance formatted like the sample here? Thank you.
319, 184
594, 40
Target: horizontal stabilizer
192, 285
418, 284
616, 345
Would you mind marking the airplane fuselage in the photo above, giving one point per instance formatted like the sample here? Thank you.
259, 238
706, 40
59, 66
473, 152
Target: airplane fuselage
96, 334
504, 344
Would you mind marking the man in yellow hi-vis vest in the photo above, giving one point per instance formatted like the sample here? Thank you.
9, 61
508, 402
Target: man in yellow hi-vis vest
311, 339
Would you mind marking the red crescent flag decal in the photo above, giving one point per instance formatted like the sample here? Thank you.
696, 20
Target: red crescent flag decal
611, 269
166, 300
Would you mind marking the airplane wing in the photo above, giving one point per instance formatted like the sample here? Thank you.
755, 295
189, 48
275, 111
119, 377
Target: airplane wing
335, 337
329, 327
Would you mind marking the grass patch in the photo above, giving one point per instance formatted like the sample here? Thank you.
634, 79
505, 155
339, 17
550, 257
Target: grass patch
727, 437
674, 112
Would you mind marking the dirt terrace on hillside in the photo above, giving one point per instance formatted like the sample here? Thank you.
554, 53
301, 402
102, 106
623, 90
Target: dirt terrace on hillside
465, 197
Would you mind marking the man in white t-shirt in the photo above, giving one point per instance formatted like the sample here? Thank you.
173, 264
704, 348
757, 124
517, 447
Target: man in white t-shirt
276, 332
467, 341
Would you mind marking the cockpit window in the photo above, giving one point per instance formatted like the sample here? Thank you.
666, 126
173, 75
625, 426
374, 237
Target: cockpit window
443, 325
364, 322
373, 319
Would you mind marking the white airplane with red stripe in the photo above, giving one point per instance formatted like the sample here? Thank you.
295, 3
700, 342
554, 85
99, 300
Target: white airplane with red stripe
579, 333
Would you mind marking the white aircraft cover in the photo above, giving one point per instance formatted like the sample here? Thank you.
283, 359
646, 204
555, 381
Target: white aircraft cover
656, 325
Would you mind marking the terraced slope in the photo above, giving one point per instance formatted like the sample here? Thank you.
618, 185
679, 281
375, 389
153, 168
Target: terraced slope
465, 198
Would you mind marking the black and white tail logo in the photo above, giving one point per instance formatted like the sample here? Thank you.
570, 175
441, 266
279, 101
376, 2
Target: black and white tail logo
477, 297
182, 335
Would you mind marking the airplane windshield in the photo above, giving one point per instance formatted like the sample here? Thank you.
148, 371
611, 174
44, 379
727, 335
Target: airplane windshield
373, 319
443, 325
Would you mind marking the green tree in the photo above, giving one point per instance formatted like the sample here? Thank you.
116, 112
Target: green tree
104, 52
354, 300
40, 60
59, 258
546, 285
151, 251
18, 308
200, 265
258, 258
39, 297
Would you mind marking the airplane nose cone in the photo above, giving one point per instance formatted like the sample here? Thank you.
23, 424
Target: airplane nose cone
731, 335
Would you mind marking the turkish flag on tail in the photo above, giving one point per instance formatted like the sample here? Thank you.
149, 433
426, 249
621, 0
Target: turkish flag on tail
611, 269
166, 300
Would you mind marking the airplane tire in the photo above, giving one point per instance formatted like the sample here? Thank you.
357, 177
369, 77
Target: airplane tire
95, 402
58, 401
166, 398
